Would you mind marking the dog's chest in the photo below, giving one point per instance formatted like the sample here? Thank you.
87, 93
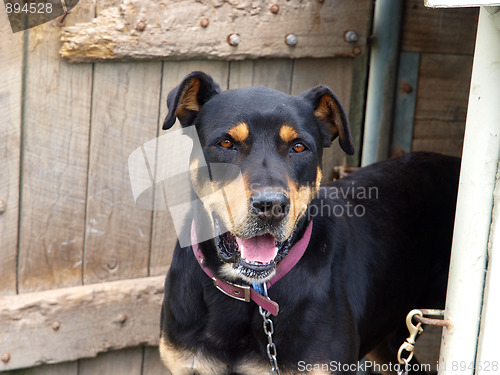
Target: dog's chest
183, 362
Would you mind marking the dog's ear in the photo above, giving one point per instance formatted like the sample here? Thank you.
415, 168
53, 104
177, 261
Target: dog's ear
332, 117
186, 100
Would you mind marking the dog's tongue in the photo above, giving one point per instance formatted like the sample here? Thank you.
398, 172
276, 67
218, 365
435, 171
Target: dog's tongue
258, 249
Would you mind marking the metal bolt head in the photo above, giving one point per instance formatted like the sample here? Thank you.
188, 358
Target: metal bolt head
351, 36
405, 87
5, 357
3, 206
233, 40
141, 25
356, 51
275, 8
204, 22
291, 40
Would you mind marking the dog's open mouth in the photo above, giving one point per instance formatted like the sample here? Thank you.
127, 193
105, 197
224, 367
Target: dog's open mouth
253, 258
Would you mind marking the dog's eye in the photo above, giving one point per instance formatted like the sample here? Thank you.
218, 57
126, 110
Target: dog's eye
226, 143
299, 147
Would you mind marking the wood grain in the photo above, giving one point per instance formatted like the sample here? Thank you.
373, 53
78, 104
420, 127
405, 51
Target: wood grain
80, 322
152, 362
164, 236
55, 148
58, 369
445, 137
335, 73
11, 61
122, 362
442, 98
438, 30
404, 104
272, 73
170, 29
357, 106
125, 107
443, 87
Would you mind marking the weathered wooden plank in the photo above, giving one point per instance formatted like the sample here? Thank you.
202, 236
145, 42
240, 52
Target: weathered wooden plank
335, 73
164, 236
445, 137
357, 106
125, 107
54, 180
404, 107
11, 61
141, 29
58, 369
452, 147
438, 30
122, 362
273, 73
152, 362
443, 91
442, 103
78, 322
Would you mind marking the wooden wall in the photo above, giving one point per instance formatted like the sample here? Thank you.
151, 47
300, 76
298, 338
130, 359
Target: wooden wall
444, 41
67, 131
440, 42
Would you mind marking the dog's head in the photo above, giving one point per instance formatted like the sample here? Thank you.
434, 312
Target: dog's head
275, 140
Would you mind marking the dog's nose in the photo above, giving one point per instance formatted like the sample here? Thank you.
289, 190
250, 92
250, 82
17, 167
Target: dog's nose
270, 205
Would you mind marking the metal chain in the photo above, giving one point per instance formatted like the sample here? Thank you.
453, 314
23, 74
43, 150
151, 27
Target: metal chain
268, 326
404, 371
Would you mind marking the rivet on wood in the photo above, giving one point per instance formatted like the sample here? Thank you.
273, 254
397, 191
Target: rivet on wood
3, 206
204, 22
291, 40
5, 357
351, 36
122, 318
233, 39
405, 87
275, 8
141, 25
356, 51
56, 325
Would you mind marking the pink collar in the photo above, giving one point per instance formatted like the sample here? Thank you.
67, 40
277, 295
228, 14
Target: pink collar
245, 292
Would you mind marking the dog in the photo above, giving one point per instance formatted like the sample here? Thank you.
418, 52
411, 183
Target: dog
360, 252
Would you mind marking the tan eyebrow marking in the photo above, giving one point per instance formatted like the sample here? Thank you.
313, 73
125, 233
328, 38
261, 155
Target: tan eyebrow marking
288, 134
239, 132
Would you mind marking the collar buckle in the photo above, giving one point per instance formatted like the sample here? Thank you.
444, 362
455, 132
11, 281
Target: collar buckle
239, 292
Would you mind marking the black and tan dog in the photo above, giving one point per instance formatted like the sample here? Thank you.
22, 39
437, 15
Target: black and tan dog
375, 244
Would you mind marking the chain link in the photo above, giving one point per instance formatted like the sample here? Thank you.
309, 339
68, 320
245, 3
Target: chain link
268, 326
404, 371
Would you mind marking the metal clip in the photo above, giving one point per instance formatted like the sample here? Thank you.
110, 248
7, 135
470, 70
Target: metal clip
415, 330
